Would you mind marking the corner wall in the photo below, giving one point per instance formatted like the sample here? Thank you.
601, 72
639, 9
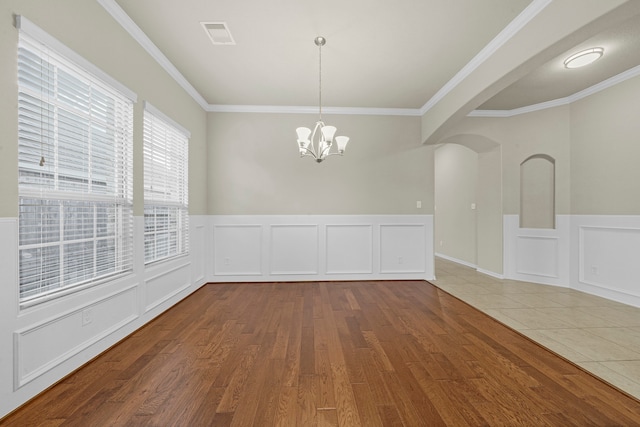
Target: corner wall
456, 177
597, 236
605, 193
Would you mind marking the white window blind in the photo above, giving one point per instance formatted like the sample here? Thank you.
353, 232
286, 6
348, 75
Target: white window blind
75, 175
166, 202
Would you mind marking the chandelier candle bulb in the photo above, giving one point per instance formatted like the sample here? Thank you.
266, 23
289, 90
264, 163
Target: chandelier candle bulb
342, 143
328, 132
319, 142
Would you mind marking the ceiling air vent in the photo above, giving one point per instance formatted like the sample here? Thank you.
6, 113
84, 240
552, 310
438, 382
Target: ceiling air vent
218, 32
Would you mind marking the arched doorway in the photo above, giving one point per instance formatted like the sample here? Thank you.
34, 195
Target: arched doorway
468, 202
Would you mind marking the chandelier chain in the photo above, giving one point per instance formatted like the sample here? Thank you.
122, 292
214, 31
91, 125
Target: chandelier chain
320, 81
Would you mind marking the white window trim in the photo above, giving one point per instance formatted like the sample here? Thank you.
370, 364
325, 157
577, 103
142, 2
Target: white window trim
38, 34
182, 244
153, 110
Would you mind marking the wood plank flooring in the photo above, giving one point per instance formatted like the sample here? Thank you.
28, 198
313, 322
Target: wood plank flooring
327, 354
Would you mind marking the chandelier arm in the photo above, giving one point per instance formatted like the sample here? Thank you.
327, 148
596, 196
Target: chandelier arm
308, 154
326, 151
311, 149
311, 152
335, 153
315, 149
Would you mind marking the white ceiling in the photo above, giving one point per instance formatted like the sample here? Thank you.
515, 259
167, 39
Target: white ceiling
552, 81
379, 54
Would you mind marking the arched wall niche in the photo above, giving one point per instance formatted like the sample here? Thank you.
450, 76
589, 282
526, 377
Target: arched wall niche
537, 192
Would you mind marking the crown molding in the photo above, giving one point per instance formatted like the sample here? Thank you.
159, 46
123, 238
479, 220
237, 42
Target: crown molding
605, 84
530, 12
522, 110
509, 31
132, 28
276, 109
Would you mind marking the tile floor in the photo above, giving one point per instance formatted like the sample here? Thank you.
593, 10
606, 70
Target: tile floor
600, 335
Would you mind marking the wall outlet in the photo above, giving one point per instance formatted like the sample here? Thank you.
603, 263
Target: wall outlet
419, 204
400, 260
227, 261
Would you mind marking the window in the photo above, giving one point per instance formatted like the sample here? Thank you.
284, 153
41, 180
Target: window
75, 173
166, 204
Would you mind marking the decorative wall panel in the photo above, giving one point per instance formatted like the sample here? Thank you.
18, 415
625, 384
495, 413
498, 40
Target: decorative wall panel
610, 258
349, 249
403, 248
165, 282
537, 255
321, 247
69, 333
237, 250
294, 249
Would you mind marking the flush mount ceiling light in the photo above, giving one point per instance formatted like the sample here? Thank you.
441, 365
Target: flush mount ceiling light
318, 144
584, 57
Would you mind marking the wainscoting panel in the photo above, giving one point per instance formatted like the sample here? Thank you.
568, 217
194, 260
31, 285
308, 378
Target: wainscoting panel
69, 333
294, 249
321, 247
402, 248
537, 255
607, 256
349, 249
237, 249
42, 343
163, 282
596, 254
197, 245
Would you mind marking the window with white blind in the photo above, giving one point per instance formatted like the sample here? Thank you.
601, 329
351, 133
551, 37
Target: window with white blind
166, 202
75, 171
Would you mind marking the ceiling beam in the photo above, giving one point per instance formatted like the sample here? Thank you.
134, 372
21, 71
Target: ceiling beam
551, 28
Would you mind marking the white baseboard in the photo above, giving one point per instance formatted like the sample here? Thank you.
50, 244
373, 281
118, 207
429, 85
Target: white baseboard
490, 273
456, 260
470, 265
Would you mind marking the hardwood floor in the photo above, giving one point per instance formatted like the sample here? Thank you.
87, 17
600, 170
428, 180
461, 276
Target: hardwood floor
338, 353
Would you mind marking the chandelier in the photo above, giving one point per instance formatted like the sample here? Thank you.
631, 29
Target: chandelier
320, 142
